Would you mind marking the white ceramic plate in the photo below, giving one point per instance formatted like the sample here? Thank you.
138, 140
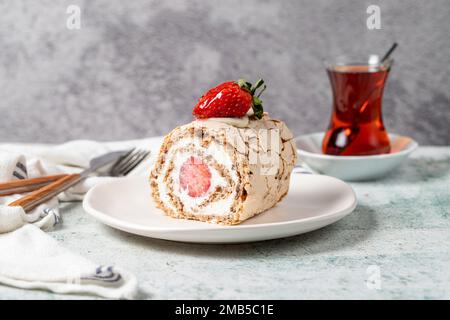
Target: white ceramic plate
353, 168
313, 202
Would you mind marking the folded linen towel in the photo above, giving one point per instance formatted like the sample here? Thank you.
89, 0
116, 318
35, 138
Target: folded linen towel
29, 258
14, 167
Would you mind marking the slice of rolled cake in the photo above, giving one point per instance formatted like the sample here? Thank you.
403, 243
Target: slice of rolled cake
223, 170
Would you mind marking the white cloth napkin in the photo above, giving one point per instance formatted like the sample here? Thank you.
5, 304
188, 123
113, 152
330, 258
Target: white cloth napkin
15, 167
29, 258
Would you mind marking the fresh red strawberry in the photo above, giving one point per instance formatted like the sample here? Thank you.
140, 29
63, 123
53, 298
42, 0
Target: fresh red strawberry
230, 99
195, 177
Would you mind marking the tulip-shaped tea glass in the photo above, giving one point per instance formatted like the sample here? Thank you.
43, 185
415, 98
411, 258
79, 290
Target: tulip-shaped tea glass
356, 125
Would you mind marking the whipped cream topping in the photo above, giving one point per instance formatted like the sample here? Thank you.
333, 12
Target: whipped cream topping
241, 122
235, 122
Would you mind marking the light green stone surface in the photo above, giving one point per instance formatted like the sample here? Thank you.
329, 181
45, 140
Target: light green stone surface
401, 226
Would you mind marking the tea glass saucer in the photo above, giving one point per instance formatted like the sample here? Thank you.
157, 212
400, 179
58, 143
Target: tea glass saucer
353, 168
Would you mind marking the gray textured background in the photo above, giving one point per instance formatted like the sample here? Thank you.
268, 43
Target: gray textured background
136, 68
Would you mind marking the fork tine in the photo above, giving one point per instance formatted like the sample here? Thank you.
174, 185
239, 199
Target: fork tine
123, 161
133, 164
125, 166
125, 156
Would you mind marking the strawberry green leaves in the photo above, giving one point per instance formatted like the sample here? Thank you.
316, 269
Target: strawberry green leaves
252, 89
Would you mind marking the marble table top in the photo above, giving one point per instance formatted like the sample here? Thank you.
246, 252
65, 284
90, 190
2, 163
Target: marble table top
395, 245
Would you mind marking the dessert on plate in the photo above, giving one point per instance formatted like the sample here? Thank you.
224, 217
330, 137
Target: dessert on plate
229, 164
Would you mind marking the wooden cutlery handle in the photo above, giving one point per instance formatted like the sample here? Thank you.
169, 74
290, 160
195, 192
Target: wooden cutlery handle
27, 185
41, 195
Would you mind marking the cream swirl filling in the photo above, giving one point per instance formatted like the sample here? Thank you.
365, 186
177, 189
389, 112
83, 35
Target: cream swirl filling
193, 206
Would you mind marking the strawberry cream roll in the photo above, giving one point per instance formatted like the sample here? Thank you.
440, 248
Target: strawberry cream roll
229, 164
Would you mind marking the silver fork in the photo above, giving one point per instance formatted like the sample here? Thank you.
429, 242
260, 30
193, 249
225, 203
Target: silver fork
128, 162
124, 162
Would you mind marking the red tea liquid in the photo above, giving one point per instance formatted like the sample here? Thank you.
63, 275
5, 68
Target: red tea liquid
356, 126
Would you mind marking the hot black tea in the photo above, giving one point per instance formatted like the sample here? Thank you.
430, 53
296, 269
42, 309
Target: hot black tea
356, 125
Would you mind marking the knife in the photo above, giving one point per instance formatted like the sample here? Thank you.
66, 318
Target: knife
33, 199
